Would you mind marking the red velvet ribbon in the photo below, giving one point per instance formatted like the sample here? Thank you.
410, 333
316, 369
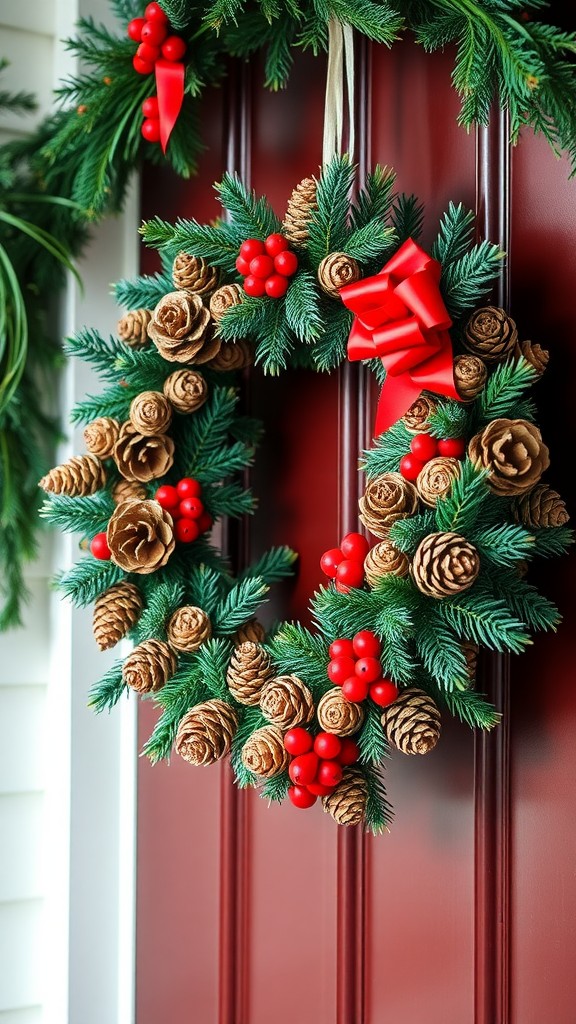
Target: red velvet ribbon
401, 318
170, 90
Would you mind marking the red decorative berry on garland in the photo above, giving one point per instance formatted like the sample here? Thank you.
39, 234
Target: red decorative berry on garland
329, 773
173, 48
318, 789
99, 547
149, 54
154, 32
187, 487
167, 497
254, 286
384, 692
143, 67
368, 669
186, 530
339, 669
350, 574
135, 29
341, 649
452, 447
327, 746
151, 129
424, 447
286, 263
355, 689
330, 561
410, 466
355, 547
150, 107
303, 768
349, 751
262, 266
154, 12
275, 244
298, 741
301, 797
366, 644
250, 248
276, 286
191, 508
205, 522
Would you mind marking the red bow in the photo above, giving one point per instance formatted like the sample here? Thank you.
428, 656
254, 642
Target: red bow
170, 90
401, 318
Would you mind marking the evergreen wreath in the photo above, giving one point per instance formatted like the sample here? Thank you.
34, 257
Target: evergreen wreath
454, 496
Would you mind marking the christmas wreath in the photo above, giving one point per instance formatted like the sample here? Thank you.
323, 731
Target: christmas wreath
454, 497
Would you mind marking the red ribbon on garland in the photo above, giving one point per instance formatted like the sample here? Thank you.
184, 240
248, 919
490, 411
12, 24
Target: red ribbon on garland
170, 90
400, 317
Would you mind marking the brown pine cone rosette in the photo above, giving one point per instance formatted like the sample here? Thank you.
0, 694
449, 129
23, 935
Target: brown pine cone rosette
385, 559
150, 413
252, 632
186, 390
540, 507
133, 328
286, 701
534, 354
140, 536
78, 477
188, 628
514, 453
233, 355
149, 666
264, 753
180, 329
301, 206
140, 457
445, 564
417, 419
193, 274
206, 732
436, 479
337, 715
115, 612
470, 375
248, 672
225, 298
347, 804
126, 490
412, 723
491, 334
471, 652
101, 435
336, 270
387, 499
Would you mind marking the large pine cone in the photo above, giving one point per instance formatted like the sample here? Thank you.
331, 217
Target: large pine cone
491, 334
140, 457
248, 672
347, 804
193, 274
186, 390
541, 507
206, 732
412, 723
188, 628
149, 666
180, 329
233, 355
436, 479
225, 298
514, 453
78, 477
338, 715
336, 270
133, 328
387, 499
470, 376
534, 354
417, 419
140, 536
385, 559
264, 753
101, 435
128, 490
286, 701
445, 564
252, 632
301, 205
150, 413
115, 612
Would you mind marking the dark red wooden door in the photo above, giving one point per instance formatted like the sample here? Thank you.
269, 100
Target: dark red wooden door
464, 913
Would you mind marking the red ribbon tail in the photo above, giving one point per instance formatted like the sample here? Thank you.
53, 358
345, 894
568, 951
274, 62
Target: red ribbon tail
396, 397
170, 89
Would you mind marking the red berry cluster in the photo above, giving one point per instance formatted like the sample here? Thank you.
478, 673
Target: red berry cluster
345, 564
184, 504
424, 447
266, 266
355, 666
152, 33
317, 762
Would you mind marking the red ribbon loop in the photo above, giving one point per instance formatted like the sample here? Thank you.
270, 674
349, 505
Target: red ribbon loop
400, 317
170, 90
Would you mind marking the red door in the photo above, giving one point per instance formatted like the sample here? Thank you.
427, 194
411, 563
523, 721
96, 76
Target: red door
464, 913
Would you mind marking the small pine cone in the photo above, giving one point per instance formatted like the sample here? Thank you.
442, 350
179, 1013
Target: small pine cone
206, 732
436, 479
233, 355
101, 435
286, 701
534, 354
387, 499
336, 270
252, 632
470, 651
385, 559
417, 419
412, 723
188, 628
186, 390
180, 329
193, 274
347, 804
225, 298
140, 536
78, 477
126, 490
445, 564
149, 666
133, 328
248, 672
264, 752
541, 507
513, 452
150, 413
301, 205
338, 715
115, 612
470, 376
491, 334
140, 457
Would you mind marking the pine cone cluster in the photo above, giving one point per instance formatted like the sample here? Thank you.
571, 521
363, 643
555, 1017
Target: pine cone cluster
299, 211
336, 270
133, 328
180, 329
186, 390
387, 499
206, 732
149, 666
193, 274
436, 479
347, 804
248, 672
101, 435
417, 419
225, 298
514, 454
188, 628
264, 752
140, 536
78, 477
541, 507
491, 334
384, 559
233, 355
412, 723
445, 564
142, 457
470, 375
115, 612
337, 715
150, 413
286, 701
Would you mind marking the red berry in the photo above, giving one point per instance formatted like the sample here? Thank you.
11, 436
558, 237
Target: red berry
151, 129
99, 547
368, 669
350, 574
339, 669
424, 447
330, 561
261, 266
167, 497
143, 67
318, 789
187, 487
147, 53
327, 745
154, 32
242, 266
153, 12
186, 530
366, 644
410, 466
350, 751
301, 797
341, 649
250, 248
329, 773
150, 107
173, 48
205, 522
254, 286
135, 29
355, 547
452, 447
303, 768
275, 244
191, 508
175, 513
286, 263
276, 286
298, 741
383, 692
355, 689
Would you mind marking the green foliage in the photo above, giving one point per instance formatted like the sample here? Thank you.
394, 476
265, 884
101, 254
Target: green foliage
296, 651
274, 565
241, 603
379, 812
87, 579
78, 515
505, 386
162, 600
106, 693
471, 708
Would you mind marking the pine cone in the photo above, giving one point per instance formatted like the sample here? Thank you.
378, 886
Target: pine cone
412, 723
149, 666
491, 334
436, 479
225, 298
133, 328
142, 458
115, 612
471, 651
150, 413
514, 453
180, 329
101, 435
78, 477
301, 205
286, 701
541, 507
534, 354
417, 419
338, 715
233, 355
387, 499
445, 564
336, 270
384, 559
264, 753
206, 732
126, 490
140, 536
186, 390
347, 804
470, 376
252, 632
188, 628
193, 274
248, 672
